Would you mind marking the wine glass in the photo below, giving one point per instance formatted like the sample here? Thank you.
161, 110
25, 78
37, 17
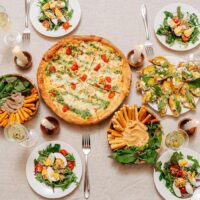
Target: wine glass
176, 140
12, 38
4, 19
16, 132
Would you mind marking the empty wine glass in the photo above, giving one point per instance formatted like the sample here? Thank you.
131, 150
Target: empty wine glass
12, 38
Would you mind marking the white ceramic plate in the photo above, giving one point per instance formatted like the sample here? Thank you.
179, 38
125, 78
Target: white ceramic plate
174, 60
35, 13
159, 20
160, 185
43, 189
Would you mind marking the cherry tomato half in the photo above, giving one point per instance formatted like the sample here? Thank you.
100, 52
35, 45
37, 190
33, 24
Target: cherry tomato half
74, 67
180, 173
38, 167
65, 108
53, 93
104, 58
71, 164
184, 38
183, 190
111, 94
83, 77
108, 79
97, 67
174, 169
63, 152
107, 87
97, 85
176, 20
52, 69
68, 51
66, 25
46, 24
73, 86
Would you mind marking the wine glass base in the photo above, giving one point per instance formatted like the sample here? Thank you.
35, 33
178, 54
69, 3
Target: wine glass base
31, 140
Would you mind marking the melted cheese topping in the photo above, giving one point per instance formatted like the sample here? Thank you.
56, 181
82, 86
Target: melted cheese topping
86, 95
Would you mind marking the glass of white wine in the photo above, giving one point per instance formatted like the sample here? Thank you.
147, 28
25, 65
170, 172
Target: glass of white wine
4, 18
176, 140
16, 132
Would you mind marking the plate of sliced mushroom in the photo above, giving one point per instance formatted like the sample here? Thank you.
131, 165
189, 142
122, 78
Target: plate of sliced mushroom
134, 135
19, 100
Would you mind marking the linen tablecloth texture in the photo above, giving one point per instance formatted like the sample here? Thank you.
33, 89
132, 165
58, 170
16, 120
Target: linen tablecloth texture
120, 22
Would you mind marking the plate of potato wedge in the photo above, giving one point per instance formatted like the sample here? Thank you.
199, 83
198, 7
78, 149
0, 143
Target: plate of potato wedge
134, 135
19, 99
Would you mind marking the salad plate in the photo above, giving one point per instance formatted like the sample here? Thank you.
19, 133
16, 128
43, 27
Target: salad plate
19, 99
176, 174
55, 18
164, 85
177, 26
54, 169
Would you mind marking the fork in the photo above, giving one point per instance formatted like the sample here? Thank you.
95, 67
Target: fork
26, 32
86, 150
148, 44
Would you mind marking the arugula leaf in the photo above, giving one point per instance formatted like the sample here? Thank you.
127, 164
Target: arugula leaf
194, 37
168, 14
179, 13
164, 30
195, 166
70, 157
43, 154
195, 83
170, 39
176, 157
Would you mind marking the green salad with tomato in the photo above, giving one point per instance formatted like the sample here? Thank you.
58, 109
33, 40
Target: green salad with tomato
54, 167
181, 174
55, 14
180, 27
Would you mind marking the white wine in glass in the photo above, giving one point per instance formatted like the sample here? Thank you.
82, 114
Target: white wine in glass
4, 19
18, 133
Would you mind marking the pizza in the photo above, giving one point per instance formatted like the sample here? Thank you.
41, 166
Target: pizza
84, 79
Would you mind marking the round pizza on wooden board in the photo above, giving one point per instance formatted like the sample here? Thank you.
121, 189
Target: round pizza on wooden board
84, 79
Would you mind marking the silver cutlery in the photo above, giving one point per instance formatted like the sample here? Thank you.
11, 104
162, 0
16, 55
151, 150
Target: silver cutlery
148, 44
86, 150
26, 32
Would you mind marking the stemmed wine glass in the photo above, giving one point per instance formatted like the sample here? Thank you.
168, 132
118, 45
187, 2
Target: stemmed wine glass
176, 140
4, 19
16, 132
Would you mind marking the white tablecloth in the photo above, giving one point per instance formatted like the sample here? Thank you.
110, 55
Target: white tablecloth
120, 22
